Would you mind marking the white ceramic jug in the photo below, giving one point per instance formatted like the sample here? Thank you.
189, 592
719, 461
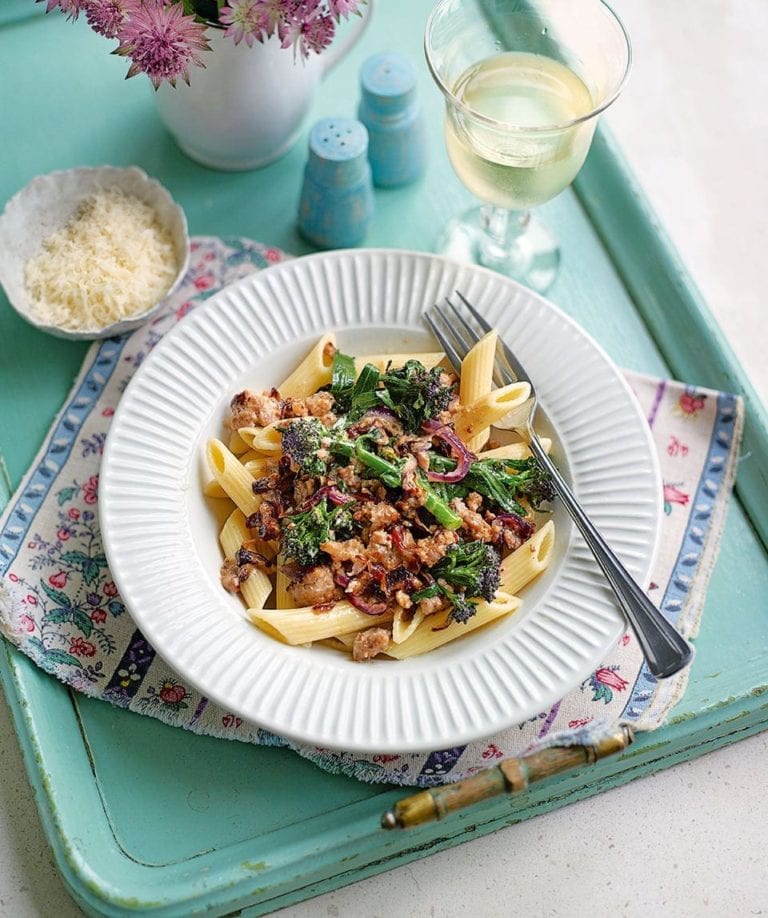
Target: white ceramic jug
246, 107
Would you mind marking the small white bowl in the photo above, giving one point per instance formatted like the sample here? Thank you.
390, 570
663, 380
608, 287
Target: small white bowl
47, 203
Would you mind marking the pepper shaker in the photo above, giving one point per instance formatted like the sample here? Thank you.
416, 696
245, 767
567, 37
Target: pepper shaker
390, 110
336, 206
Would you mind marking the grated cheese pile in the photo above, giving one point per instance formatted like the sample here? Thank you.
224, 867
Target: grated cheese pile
110, 261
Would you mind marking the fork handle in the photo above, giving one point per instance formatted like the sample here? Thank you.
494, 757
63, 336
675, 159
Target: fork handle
665, 650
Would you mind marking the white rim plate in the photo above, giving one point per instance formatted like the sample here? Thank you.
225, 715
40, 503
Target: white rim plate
160, 534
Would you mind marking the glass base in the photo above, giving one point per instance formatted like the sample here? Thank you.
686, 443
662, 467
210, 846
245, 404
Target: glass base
527, 253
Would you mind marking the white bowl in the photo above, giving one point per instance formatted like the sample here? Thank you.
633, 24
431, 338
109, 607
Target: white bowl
44, 205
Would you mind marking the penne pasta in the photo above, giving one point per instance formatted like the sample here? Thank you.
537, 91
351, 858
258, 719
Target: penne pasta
282, 596
528, 561
235, 480
214, 489
425, 638
381, 361
405, 622
237, 445
263, 441
298, 626
313, 372
477, 379
473, 419
255, 589
514, 450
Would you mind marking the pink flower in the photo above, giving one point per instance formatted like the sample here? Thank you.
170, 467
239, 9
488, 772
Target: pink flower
307, 30
73, 513
58, 580
107, 16
580, 722
183, 310
690, 402
673, 495
99, 616
162, 42
27, 623
110, 589
81, 648
243, 19
273, 255
32, 599
107, 412
62, 534
69, 7
612, 679
204, 282
341, 9
13, 578
172, 692
91, 490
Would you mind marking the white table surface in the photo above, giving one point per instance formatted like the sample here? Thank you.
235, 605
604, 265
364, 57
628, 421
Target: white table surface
692, 840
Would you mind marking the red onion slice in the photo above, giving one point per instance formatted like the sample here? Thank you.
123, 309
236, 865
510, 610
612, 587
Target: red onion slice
334, 495
364, 605
458, 450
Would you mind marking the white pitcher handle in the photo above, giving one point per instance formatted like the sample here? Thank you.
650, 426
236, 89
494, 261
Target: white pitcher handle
332, 57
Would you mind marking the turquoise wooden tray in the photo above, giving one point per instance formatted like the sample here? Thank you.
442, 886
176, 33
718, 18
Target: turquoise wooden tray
146, 818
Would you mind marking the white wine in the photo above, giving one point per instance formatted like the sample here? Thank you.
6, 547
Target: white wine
512, 167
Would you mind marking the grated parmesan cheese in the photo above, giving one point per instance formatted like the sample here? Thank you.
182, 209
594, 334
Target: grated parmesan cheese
110, 261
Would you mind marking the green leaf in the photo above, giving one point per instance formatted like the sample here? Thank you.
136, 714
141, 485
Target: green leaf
101, 560
82, 622
58, 615
342, 375
61, 599
90, 571
75, 557
37, 644
64, 495
61, 656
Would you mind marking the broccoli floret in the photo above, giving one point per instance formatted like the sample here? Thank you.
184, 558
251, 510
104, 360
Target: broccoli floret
416, 394
500, 481
471, 567
304, 533
535, 484
302, 438
468, 571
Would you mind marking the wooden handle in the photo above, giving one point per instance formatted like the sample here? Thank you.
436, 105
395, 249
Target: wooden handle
510, 777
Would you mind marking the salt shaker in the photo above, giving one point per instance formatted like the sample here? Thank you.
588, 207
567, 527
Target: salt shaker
390, 109
336, 206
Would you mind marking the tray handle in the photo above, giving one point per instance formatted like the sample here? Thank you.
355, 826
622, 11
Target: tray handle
510, 777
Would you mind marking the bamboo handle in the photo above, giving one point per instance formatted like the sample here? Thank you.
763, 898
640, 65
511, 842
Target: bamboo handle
510, 777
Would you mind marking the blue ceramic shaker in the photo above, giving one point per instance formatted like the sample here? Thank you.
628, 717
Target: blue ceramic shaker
390, 109
336, 206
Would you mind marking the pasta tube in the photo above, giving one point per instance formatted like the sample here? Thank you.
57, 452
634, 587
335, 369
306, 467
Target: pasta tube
425, 638
474, 419
477, 379
514, 450
299, 626
255, 589
234, 479
314, 371
528, 561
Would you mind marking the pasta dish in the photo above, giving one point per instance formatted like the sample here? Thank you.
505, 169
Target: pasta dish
373, 508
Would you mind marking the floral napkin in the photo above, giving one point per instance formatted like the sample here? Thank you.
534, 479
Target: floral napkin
60, 606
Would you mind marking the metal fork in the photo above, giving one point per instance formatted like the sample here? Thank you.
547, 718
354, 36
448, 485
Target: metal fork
666, 651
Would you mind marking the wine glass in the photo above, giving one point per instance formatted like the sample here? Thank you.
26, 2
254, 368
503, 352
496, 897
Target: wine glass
524, 83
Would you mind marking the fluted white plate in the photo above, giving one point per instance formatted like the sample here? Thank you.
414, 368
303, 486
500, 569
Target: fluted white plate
160, 534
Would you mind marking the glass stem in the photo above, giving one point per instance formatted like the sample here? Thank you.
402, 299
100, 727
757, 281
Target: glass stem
500, 243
